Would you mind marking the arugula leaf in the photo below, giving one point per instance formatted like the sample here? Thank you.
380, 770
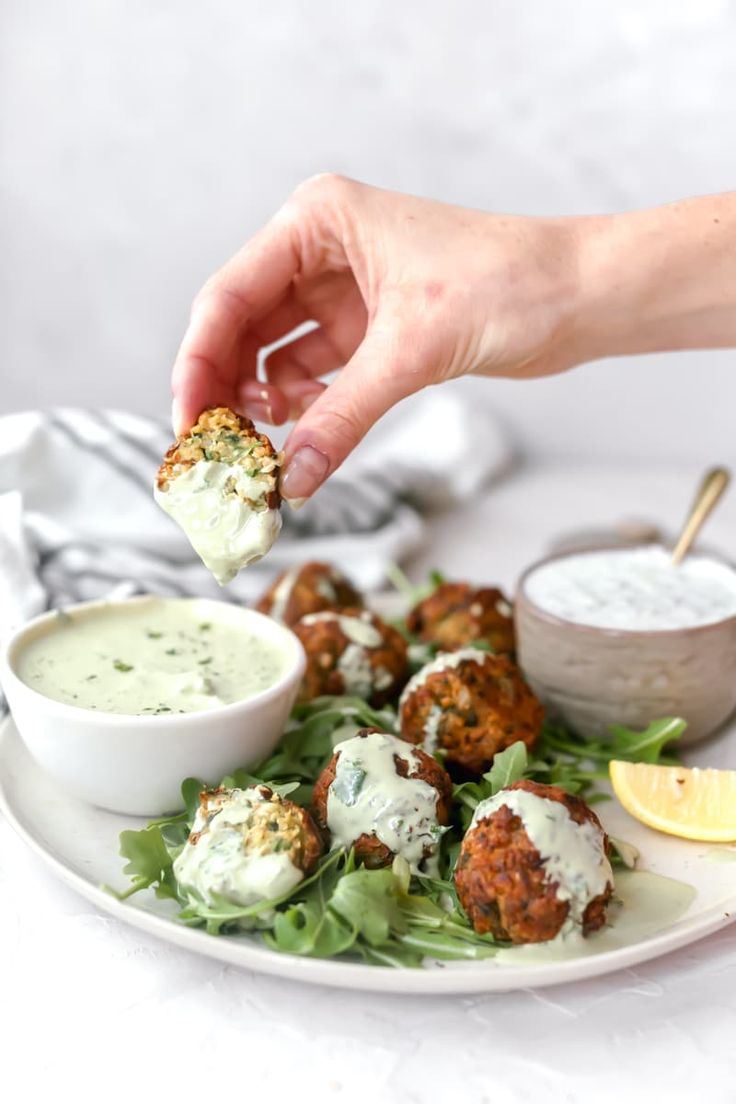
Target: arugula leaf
308, 928
646, 746
411, 593
391, 954
149, 863
622, 743
623, 853
508, 766
368, 901
191, 788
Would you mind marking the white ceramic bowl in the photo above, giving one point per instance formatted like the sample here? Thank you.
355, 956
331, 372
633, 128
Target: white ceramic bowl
135, 764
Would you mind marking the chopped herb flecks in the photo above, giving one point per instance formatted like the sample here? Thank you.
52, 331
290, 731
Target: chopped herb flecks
120, 666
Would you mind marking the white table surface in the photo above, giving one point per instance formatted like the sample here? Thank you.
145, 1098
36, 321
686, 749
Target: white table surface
90, 1005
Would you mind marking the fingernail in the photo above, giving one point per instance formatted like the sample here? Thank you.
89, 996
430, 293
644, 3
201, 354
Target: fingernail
296, 503
306, 470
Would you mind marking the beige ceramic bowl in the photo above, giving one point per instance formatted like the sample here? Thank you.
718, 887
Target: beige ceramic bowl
591, 677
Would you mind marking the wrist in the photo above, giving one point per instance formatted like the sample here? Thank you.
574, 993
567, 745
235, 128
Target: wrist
655, 280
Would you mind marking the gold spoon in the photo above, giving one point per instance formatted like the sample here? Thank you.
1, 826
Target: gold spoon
714, 484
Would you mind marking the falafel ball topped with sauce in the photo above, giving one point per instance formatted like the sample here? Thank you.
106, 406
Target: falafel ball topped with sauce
351, 651
219, 482
384, 798
312, 588
247, 845
534, 865
456, 614
470, 704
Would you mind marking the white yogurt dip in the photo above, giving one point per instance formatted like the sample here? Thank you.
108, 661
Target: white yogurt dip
153, 657
634, 589
573, 855
227, 533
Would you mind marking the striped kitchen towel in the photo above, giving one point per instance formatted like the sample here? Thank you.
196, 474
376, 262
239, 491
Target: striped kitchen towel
78, 520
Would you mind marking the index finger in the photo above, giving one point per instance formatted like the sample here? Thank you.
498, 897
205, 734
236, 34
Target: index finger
250, 284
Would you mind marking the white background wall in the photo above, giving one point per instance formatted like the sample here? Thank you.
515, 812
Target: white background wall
142, 140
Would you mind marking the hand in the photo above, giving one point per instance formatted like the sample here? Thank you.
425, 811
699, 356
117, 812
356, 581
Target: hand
406, 293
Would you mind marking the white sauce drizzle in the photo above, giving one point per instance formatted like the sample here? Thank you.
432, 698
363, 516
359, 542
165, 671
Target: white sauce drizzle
282, 594
382, 678
644, 905
219, 862
225, 532
442, 662
635, 589
325, 589
354, 664
368, 796
573, 854
357, 674
431, 730
359, 630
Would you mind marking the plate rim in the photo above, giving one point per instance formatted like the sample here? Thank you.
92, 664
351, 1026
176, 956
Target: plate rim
481, 977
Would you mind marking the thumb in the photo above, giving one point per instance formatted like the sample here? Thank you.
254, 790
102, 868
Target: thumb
384, 369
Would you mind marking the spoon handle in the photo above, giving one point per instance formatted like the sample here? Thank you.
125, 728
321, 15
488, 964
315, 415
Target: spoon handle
714, 484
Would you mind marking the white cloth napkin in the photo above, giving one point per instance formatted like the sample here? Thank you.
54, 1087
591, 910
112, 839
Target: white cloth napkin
78, 520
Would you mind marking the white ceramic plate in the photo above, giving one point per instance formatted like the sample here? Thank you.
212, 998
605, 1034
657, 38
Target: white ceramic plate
80, 843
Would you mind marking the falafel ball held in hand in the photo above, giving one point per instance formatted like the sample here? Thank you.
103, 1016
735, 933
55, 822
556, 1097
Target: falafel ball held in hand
219, 482
407, 292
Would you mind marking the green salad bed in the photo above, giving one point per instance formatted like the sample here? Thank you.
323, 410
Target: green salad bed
386, 917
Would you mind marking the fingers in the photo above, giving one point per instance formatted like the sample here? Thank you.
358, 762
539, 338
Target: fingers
254, 293
250, 285
384, 370
262, 402
308, 356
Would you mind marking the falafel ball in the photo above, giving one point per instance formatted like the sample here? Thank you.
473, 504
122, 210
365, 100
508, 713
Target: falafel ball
247, 845
534, 863
384, 798
472, 705
219, 482
456, 614
351, 651
312, 588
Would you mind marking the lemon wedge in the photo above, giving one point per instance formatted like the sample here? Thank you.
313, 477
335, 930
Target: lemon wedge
696, 804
